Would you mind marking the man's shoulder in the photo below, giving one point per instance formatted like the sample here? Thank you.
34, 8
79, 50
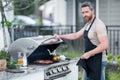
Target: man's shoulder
99, 22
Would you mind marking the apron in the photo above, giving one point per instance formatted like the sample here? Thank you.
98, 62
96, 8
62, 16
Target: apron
92, 65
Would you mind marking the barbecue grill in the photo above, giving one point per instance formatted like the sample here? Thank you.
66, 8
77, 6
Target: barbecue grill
42, 48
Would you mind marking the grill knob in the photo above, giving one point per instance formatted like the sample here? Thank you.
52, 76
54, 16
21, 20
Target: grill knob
54, 71
48, 74
64, 68
67, 67
59, 69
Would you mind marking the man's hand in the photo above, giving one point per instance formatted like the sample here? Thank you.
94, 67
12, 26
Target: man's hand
57, 36
85, 56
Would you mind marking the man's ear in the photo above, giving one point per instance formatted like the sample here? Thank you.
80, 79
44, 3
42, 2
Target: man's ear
92, 11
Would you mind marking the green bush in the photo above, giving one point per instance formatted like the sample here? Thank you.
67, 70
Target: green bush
3, 55
69, 52
12, 65
118, 61
110, 57
113, 75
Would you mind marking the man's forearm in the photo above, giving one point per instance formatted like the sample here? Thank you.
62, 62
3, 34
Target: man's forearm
68, 36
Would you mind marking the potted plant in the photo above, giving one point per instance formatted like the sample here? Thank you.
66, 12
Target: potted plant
3, 60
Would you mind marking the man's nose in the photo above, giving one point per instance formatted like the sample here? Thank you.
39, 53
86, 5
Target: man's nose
84, 15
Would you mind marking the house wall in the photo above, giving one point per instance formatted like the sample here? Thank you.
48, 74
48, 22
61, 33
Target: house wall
71, 12
60, 10
57, 8
109, 11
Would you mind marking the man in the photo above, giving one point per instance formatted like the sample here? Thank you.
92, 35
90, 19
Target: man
96, 42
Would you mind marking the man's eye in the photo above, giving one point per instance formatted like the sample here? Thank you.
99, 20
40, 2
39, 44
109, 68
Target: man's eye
82, 12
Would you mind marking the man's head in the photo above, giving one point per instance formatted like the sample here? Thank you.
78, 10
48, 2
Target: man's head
87, 11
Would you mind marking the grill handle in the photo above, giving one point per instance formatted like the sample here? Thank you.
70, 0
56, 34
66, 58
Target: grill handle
48, 39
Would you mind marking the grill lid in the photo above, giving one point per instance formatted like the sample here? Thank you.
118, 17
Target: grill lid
35, 48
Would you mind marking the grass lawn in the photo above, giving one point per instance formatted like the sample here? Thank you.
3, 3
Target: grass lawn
113, 75
110, 75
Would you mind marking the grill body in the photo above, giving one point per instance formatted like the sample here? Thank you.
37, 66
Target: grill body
41, 48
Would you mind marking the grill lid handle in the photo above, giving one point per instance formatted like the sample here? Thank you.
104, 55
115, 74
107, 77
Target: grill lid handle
52, 37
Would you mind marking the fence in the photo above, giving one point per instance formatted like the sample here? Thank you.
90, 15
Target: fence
114, 39
78, 45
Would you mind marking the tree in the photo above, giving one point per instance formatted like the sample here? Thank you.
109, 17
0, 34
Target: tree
27, 7
3, 5
19, 6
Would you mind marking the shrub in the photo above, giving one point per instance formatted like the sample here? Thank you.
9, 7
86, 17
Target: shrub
118, 61
110, 57
3, 55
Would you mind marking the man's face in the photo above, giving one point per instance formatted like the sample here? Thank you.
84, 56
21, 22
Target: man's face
87, 13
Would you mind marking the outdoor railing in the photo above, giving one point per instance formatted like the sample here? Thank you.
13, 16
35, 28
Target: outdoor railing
78, 45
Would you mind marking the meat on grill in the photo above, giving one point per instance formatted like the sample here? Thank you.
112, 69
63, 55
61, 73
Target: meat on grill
43, 61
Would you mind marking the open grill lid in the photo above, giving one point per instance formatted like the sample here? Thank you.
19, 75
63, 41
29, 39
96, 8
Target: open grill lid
43, 52
35, 48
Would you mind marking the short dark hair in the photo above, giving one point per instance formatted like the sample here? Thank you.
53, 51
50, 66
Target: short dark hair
87, 4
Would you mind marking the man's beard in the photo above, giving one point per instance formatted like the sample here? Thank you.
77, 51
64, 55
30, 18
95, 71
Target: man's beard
88, 18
